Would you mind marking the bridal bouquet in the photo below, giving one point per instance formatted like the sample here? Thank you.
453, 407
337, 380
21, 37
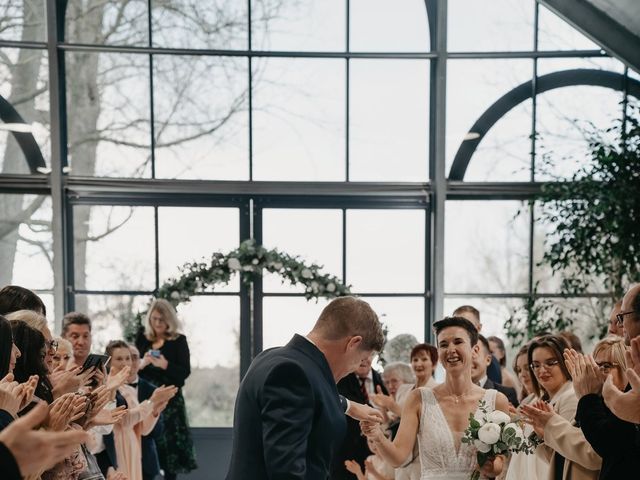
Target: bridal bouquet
495, 433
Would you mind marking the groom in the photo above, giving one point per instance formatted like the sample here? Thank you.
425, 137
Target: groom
289, 418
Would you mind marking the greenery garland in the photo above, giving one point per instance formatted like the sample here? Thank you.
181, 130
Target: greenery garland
249, 260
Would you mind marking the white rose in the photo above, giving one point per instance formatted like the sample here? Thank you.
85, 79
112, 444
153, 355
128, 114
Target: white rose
306, 273
255, 261
247, 268
175, 295
331, 287
277, 265
234, 264
480, 418
481, 446
489, 433
518, 431
499, 417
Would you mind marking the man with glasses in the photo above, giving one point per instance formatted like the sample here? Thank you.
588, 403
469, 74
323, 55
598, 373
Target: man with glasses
615, 440
615, 326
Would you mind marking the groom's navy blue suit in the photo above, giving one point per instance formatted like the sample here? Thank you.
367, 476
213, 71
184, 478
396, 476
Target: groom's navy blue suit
288, 417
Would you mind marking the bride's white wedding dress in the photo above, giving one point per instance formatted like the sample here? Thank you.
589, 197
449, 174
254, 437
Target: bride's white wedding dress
442, 453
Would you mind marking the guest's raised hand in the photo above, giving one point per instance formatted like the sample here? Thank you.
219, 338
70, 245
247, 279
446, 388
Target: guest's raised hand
11, 396
60, 411
632, 355
160, 362
587, 378
109, 417
52, 447
381, 399
361, 412
354, 467
116, 379
163, 394
538, 415
570, 359
29, 390
115, 475
99, 399
625, 406
70, 381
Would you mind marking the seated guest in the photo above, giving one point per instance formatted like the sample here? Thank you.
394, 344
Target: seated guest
14, 298
31, 344
615, 327
39, 322
499, 352
396, 374
552, 383
481, 362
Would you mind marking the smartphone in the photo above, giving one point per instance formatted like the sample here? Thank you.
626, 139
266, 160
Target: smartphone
155, 353
95, 360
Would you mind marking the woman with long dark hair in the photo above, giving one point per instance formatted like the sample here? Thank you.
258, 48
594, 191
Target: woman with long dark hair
32, 346
9, 353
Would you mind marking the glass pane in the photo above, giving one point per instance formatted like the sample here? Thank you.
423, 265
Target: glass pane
196, 24
389, 120
314, 235
111, 316
113, 248
564, 120
23, 20
212, 327
549, 282
383, 26
26, 252
204, 238
107, 23
504, 154
494, 312
556, 34
498, 25
299, 120
486, 247
24, 85
472, 87
400, 315
316, 25
108, 112
385, 250
284, 316
201, 117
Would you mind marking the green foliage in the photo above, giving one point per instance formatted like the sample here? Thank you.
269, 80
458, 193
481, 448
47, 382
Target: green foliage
595, 233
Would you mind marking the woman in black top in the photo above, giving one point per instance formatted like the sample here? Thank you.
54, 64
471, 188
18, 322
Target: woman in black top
166, 361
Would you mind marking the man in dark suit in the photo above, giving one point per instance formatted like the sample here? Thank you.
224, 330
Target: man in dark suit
615, 440
289, 417
479, 373
356, 386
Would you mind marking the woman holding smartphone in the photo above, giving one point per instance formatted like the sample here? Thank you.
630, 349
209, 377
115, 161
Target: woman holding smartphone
166, 361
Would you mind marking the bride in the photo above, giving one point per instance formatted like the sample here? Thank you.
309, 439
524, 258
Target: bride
438, 417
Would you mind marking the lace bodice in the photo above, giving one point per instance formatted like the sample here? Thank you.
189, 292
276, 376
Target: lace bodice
438, 454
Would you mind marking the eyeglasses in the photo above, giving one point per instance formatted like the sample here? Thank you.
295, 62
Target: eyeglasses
548, 364
52, 345
606, 367
620, 317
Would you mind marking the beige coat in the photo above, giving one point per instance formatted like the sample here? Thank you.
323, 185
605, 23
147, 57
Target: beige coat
560, 436
581, 461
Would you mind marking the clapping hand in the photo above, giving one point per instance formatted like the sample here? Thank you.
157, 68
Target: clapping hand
626, 406
354, 467
382, 400
161, 396
70, 381
585, 373
50, 447
66, 409
116, 379
109, 417
538, 415
12, 395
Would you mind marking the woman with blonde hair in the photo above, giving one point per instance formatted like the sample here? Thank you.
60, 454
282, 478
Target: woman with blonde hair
166, 361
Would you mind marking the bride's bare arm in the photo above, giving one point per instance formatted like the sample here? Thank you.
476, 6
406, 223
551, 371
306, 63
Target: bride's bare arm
397, 452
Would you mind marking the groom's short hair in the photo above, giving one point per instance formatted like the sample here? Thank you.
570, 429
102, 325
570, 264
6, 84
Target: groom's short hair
457, 322
347, 316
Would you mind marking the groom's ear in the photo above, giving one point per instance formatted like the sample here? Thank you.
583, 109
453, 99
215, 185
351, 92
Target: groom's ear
354, 342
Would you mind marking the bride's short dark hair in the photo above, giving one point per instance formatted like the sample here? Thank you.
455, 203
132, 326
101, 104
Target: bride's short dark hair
461, 322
